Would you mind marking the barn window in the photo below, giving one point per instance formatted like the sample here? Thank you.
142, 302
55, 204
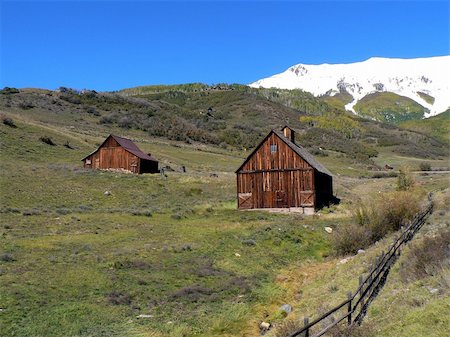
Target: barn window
273, 148
88, 162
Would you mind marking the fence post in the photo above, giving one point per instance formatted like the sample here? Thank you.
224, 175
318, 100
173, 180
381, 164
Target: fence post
349, 317
361, 290
306, 322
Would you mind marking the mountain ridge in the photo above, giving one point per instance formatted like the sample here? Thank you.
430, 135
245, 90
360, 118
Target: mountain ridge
423, 80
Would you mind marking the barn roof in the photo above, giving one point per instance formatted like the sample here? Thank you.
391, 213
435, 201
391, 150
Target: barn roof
301, 151
128, 145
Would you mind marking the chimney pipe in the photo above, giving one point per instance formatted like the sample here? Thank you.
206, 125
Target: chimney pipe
289, 134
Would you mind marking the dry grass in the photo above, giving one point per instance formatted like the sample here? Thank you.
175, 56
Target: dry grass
427, 258
373, 221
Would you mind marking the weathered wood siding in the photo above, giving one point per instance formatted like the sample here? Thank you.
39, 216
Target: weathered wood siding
275, 176
112, 155
283, 158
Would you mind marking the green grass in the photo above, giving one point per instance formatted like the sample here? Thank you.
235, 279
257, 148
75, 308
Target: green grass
338, 101
436, 126
402, 308
408, 307
75, 248
389, 107
427, 98
75, 262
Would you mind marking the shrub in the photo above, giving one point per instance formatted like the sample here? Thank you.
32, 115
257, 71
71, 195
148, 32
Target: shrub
425, 166
9, 122
379, 175
63, 211
67, 144
287, 328
107, 119
398, 208
8, 90
26, 105
71, 98
7, 257
92, 110
249, 242
47, 140
427, 258
142, 213
125, 122
347, 239
405, 181
371, 222
31, 212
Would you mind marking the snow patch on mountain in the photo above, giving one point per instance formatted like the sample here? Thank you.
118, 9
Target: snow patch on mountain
405, 77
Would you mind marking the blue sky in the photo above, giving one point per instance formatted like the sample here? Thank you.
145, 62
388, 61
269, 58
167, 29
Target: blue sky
109, 45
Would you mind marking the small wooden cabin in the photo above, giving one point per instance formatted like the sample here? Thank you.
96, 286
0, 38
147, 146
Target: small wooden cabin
121, 154
281, 174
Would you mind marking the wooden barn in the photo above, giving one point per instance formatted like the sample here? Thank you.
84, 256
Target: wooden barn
281, 174
121, 154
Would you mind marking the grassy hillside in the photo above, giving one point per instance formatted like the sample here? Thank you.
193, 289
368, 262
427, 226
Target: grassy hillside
414, 301
167, 256
338, 101
232, 117
82, 263
389, 107
437, 126
411, 304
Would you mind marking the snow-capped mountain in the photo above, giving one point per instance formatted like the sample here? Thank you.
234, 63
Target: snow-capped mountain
406, 77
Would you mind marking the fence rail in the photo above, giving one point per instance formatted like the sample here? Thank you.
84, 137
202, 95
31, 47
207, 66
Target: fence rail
357, 302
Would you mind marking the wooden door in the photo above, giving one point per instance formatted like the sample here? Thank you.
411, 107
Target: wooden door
307, 198
134, 166
245, 200
281, 199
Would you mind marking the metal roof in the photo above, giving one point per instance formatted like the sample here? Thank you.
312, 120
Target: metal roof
128, 145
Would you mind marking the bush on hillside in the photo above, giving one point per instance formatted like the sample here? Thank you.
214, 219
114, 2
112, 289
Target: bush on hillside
425, 166
348, 238
427, 258
405, 180
8, 90
26, 105
332, 140
109, 119
372, 222
47, 140
8, 121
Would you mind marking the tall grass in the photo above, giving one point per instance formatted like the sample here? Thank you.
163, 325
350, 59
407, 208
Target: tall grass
427, 258
375, 219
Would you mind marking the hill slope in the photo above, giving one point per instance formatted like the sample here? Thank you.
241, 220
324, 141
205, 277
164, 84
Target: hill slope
230, 117
166, 256
437, 126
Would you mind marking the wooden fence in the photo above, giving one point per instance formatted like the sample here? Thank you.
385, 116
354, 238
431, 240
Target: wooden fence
354, 308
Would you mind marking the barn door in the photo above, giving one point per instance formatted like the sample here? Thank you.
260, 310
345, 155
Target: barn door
307, 198
97, 163
245, 200
281, 199
134, 166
